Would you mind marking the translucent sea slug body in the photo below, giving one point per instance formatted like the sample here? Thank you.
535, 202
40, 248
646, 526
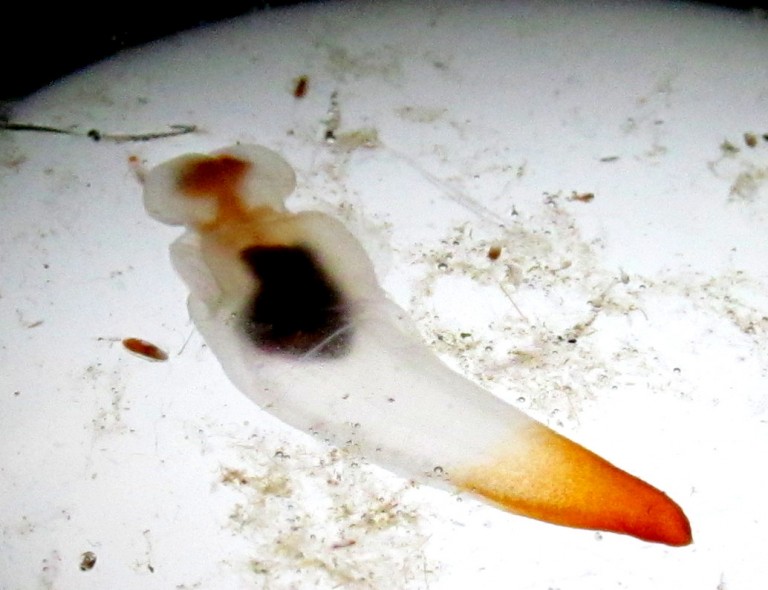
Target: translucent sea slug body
290, 305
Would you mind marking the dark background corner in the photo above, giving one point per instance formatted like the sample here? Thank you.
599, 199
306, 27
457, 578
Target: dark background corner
42, 44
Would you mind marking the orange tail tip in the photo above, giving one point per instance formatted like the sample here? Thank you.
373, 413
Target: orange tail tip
545, 476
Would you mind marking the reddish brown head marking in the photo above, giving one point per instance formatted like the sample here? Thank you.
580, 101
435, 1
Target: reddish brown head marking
219, 177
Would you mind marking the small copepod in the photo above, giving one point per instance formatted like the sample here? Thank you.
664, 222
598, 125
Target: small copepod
145, 350
290, 305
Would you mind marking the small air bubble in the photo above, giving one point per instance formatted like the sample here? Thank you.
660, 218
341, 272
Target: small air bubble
521, 400
438, 470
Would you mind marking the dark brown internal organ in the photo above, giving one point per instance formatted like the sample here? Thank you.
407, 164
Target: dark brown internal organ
298, 310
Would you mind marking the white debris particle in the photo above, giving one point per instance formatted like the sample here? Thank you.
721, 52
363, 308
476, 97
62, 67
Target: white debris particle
550, 325
316, 518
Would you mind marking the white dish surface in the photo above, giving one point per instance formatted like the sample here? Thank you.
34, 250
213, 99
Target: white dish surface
487, 126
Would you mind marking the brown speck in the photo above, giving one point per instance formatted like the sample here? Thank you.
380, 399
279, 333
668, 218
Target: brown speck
344, 543
728, 148
300, 86
750, 139
494, 252
145, 350
581, 197
87, 561
332, 119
